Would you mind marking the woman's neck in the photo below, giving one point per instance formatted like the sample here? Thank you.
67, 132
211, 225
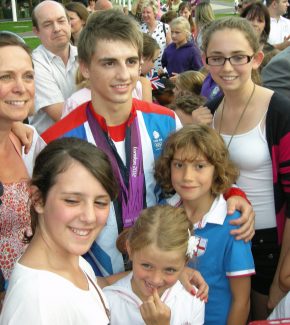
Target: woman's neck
237, 98
151, 25
76, 36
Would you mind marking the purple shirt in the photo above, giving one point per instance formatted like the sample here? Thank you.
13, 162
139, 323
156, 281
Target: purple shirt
187, 57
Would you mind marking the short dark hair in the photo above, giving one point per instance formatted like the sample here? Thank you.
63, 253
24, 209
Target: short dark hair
58, 156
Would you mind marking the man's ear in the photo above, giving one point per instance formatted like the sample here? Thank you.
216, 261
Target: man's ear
35, 31
84, 69
36, 199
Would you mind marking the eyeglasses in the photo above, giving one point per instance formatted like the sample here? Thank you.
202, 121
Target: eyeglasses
234, 60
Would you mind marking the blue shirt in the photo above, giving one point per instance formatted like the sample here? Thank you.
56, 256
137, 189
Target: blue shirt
219, 257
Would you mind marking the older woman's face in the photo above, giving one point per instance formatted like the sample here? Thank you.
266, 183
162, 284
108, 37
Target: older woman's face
148, 15
16, 83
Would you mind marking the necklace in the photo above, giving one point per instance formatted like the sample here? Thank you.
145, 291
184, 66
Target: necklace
241, 116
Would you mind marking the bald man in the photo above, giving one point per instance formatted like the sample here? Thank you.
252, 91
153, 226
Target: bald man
55, 63
103, 5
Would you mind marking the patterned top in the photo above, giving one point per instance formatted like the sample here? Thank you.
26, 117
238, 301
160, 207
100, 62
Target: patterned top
159, 35
14, 222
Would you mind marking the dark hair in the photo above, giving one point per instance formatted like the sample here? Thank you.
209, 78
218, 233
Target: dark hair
58, 156
259, 11
182, 6
203, 140
188, 103
108, 25
168, 16
8, 38
79, 9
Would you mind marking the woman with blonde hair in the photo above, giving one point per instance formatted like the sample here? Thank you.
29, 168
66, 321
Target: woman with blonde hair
158, 30
16, 100
204, 15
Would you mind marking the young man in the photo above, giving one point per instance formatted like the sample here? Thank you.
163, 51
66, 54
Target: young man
131, 132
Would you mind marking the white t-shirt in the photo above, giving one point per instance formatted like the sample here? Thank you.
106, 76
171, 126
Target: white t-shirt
124, 304
278, 30
54, 83
39, 297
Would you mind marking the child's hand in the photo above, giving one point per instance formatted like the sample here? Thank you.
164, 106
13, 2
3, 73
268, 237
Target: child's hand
154, 311
24, 133
202, 115
190, 276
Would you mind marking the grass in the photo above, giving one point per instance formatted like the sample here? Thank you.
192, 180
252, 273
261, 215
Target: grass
21, 27
17, 27
32, 42
217, 16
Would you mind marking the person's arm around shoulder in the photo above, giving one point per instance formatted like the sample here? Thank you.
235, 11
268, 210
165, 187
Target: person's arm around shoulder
237, 200
240, 306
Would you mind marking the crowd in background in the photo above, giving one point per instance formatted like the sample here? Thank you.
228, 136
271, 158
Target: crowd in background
190, 115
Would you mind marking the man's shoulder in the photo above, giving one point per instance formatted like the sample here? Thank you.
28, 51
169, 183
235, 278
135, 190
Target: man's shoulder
152, 108
39, 51
66, 125
285, 21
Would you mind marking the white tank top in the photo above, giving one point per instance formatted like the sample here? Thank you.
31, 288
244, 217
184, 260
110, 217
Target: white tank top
250, 152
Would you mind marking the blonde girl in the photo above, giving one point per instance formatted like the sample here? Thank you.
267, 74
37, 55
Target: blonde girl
255, 124
159, 245
195, 164
182, 54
